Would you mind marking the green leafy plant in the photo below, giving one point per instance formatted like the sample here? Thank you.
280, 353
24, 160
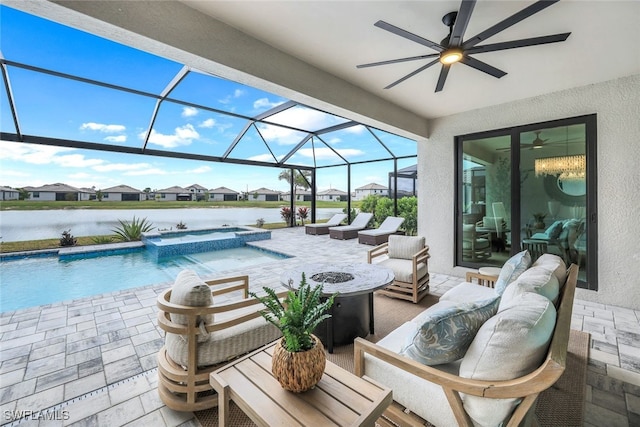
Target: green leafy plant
130, 231
298, 315
260, 222
181, 226
101, 240
67, 239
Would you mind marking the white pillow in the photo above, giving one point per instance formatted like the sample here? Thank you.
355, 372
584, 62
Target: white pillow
511, 344
444, 331
511, 270
191, 291
555, 263
539, 280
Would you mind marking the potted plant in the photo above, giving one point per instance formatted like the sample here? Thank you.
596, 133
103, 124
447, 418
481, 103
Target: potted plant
298, 359
538, 220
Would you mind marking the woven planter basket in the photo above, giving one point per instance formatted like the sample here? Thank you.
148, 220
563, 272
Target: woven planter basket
300, 371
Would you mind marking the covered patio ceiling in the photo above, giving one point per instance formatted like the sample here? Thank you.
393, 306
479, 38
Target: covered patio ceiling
93, 93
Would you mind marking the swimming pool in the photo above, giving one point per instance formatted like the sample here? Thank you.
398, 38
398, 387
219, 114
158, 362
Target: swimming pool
34, 281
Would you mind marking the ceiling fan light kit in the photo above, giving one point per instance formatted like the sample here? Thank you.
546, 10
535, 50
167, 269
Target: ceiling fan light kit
454, 49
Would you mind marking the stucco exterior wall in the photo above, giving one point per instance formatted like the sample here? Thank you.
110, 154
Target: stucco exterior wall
617, 106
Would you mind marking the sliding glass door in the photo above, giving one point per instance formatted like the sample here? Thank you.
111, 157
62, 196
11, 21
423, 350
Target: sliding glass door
529, 187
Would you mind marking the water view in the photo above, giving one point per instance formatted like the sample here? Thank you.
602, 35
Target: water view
33, 225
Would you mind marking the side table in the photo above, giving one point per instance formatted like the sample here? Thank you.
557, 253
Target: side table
339, 399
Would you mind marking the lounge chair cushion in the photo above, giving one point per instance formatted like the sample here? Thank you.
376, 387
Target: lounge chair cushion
511, 344
405, 247
403, 269
191, 291
539, 280
512, 269
445, 330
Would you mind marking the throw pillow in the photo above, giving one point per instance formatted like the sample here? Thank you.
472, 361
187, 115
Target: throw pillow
511, 344
405, 247
554, 229
191, 291
445, 331
511, 270
540, 280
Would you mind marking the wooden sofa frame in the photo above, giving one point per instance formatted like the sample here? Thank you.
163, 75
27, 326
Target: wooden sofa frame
412, 291
527, 387
189, 390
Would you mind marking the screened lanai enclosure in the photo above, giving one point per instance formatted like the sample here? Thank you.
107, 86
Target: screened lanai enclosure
68, 88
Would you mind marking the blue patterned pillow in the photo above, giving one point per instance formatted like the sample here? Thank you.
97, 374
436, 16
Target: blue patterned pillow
511, 270
445, 333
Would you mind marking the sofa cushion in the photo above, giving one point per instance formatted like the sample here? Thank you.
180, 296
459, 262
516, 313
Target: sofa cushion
445, 330
190, 290
555, 264
511, 344
539, 280
403, 269
512, 269
405, 247
468, 292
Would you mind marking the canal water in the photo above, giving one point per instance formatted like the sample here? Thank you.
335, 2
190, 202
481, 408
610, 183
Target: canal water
33, 225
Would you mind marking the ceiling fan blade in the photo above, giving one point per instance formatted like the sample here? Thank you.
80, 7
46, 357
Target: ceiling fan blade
395, 61
410, 36
424, 67
482, 66
506, 23
519, 43
462, 20
444, 71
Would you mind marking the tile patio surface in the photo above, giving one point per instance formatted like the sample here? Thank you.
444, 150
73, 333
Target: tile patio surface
93, 361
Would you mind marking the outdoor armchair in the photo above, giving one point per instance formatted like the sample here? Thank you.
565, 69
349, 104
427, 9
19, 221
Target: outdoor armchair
202, 335
408, 257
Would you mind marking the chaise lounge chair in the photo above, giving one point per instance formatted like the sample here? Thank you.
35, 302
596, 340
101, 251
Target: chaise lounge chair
345, 232
323, 228
380, 235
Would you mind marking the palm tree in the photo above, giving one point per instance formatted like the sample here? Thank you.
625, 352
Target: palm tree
300, 179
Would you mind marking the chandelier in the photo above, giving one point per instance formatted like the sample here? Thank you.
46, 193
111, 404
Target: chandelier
567, 168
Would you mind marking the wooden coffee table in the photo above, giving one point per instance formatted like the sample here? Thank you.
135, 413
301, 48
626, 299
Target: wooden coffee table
339, 399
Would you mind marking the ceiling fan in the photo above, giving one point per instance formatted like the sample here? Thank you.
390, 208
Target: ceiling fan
454, 49
539, 143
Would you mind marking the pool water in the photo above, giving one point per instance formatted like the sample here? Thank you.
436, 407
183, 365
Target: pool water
30, 282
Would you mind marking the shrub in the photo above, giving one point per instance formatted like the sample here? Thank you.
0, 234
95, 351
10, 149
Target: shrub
303, 213
130, 231
102, 240
181, 226
285, 213
260, 222
67, 239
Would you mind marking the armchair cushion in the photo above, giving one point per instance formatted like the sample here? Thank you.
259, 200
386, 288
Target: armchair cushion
444, 331
403, 269
405, 247
512, 269
190, 290
511, 344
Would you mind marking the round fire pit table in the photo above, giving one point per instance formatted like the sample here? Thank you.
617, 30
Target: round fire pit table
352, 311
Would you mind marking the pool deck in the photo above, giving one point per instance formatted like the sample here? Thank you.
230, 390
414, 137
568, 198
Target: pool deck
93, 361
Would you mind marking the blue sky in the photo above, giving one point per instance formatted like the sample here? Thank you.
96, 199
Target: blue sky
69, 109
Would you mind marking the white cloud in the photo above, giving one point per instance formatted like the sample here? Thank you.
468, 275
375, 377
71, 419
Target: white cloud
280, 135
201, 169
152, 171
238, 93
264, 102
119, 138
334, 140
75, 161
183, 135
262, 158
189, 111
326, 153
102, 127
209, 123
356, 129
112, 167
33, 154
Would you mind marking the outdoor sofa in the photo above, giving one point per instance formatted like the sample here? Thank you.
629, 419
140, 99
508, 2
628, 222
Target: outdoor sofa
481, 355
